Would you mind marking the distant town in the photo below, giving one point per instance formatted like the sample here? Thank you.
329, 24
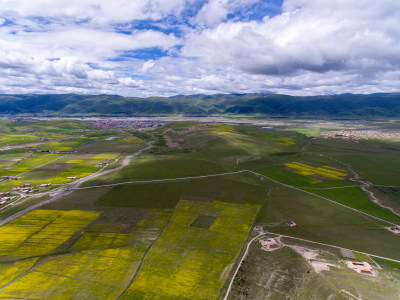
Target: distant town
363, 134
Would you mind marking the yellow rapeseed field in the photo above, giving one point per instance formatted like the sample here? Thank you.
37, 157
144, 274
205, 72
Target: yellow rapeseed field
192, 262
10, 271
325, 171
40, 232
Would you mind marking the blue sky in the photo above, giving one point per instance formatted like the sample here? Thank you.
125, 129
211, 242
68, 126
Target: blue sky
168, 47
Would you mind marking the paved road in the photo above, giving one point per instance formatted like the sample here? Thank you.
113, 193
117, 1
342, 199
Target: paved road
73, 186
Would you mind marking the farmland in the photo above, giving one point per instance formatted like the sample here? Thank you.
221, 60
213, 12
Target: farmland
119, 212
187, 256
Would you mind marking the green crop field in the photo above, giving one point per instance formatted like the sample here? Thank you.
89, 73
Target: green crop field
162, 195
27, 164
70, 143
354, 197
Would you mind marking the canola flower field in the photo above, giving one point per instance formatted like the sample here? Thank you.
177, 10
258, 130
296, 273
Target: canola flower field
324, 172
74, 165
193, 262
100, 264
39, 232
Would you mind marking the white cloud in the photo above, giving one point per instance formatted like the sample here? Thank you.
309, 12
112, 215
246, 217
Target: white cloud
98, 11
212, 13
147, 65
312, 47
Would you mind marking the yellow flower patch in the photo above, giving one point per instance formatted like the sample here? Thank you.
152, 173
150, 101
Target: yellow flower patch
324, 172
192, 262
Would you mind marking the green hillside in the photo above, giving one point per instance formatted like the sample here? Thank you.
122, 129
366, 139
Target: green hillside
334, 106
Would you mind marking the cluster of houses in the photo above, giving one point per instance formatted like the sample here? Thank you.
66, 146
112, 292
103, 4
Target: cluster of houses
63, 152
4, 197
101, 164
25, 188
3, 178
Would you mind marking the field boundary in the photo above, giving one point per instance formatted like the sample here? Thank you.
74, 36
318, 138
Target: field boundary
159, 180
232, 173
324, 198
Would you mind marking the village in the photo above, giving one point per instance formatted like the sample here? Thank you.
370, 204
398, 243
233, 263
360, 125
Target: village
103, 124
363, 134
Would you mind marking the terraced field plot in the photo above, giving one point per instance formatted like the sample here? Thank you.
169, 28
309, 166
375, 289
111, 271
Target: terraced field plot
101, 272
27, 164
14, 139
10, 271
325, 172
191, 262
73, 143
41, 231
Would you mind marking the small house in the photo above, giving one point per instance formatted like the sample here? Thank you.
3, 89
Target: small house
291, 224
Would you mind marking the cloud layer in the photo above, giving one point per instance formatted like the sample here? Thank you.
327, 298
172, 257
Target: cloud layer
160, 47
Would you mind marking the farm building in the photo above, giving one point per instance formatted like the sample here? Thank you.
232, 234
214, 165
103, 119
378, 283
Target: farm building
291, 224
45, 185
269, 244
361, 267
25, 185
257, 228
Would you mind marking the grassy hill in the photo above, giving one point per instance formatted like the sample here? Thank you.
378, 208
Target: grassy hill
333, 106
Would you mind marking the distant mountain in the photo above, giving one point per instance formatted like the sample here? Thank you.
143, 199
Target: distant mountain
273, 105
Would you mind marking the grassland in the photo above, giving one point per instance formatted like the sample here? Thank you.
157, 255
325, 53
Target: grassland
284, 273
325, 222
356, 198
379, 168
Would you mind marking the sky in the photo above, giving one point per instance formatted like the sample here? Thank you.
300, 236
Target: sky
146, 48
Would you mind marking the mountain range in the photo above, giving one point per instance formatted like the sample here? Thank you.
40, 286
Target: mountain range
262, 104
